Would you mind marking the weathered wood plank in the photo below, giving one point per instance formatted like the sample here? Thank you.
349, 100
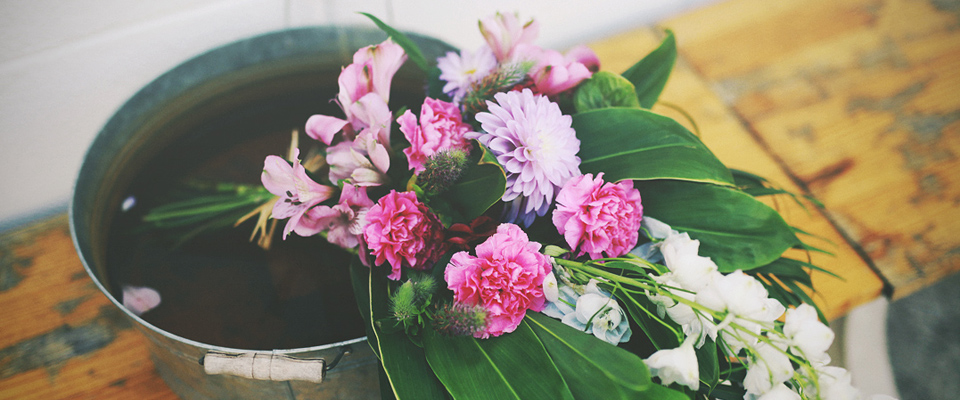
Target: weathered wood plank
858, 99
724, 133
60, 337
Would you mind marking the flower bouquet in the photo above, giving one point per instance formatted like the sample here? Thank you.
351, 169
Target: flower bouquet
533, 230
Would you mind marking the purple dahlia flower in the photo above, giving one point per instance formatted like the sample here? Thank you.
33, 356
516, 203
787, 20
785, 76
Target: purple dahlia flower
537, 147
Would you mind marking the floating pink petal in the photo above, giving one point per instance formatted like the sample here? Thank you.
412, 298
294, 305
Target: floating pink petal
140, 299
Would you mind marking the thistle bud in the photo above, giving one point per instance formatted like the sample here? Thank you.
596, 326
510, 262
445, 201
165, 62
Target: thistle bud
459, 319
403, 302
442, 170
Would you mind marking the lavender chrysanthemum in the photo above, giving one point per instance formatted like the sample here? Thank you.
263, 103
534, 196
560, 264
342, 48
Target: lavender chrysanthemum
460, 71
537, 147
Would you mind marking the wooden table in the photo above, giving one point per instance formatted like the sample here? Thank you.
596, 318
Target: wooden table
853, 102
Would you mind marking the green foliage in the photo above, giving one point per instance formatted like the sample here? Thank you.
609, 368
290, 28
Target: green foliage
630, 143
481, 186
512, 366
734, 229
594, 369
605, 89
442, 170
650, 74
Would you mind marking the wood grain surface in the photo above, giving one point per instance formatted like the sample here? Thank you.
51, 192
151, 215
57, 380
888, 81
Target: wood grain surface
853, 102
859, 100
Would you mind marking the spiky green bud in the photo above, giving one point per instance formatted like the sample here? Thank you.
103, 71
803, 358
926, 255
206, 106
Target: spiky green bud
442, 170
403, 302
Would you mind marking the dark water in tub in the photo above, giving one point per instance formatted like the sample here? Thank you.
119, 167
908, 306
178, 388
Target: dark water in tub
219, 288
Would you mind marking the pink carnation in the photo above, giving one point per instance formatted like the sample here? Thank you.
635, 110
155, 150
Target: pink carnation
402, 231
599, 217
441, 128
506, 278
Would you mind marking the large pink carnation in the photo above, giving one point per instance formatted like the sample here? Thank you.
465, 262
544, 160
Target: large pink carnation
441, 127
402, 231
506, 278
597, 217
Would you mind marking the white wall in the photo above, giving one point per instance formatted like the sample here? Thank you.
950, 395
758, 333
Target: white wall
67, 65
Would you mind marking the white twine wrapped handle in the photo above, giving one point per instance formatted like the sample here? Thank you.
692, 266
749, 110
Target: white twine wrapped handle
265, 366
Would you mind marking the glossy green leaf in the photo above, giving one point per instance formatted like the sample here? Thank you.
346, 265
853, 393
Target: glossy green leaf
592, 368
709, 365
413, 51
604, 89
405, 365
481, 186
650, 74
734, 229
512, 366
630, 143
643, 313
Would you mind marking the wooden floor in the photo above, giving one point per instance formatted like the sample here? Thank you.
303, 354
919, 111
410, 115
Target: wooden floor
854, 102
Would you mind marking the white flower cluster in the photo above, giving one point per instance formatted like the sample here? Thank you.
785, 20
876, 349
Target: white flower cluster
745, 319
585, 307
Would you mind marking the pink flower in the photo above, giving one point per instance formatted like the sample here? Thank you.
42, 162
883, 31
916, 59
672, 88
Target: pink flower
441, 128
601, 219
503, 32
402, 231
537, 147
553, 72
363, 162
364, 94
506, 278
298, 193
140, 299
343, 222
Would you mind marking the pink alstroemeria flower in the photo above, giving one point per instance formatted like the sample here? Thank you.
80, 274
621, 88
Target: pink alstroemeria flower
343, 222
298, 193
364, 94
554, 72
503, 32
364, 161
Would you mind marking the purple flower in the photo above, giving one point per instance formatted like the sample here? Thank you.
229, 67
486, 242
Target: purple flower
298, 193
460, 71
537, 147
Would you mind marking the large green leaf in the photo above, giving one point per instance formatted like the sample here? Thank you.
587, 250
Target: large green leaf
512, 366
734, 229
631, 143
404, 364
481, 186
592, 368
649, 75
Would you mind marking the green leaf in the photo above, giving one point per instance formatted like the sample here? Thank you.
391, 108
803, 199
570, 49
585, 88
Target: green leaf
592, 368
650, 74
413, 51
512, 366
408, 374
660, 336
360, 279
786, 268
734, 229
604, 89
630, 143
709, 365
481, 186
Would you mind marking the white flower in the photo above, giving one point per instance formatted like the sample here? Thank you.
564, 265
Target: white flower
779, 392
769, 367
676, 365
598, 313
550, 289
691, 271
805, 331
835, 384
657, 229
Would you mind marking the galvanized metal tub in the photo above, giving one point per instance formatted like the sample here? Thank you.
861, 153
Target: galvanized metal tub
173, 109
